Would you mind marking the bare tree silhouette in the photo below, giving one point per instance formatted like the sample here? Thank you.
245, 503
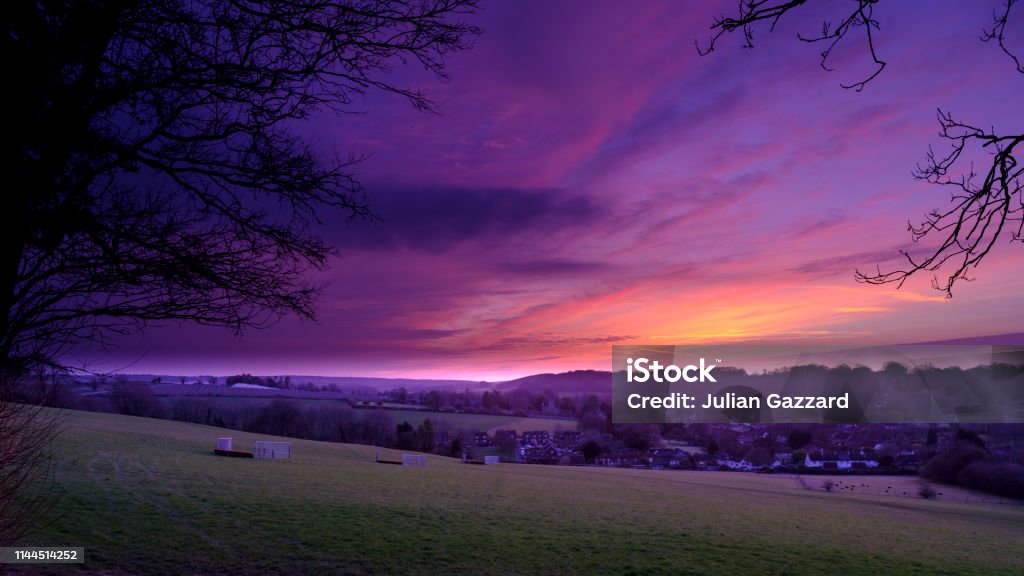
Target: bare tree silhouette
985, 205
983, 209
154, 173
26, 430
753, 12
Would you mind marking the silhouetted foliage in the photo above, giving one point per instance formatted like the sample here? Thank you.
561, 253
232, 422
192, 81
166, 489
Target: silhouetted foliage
406, 436
760, 456
45, 388
153, 174
966, 463
712, 448
637, 437
455, 447
156, 172
425, 435
798, 439
591, 450
1000, 478
281, 418
136, 399
971, 436
945, 466
26, 493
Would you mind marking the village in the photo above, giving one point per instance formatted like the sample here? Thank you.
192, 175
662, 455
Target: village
540, 427
847, 448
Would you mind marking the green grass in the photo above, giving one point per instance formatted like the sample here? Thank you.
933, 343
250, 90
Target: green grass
148, 497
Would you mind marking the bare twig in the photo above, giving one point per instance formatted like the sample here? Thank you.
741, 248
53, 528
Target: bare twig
984, 206
26, 431
997, 33
752, 12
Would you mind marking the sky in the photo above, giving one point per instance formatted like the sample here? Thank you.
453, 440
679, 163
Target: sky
592, 180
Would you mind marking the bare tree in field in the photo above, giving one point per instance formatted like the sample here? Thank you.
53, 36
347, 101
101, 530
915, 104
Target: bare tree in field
980, 167
152, 169
26, 429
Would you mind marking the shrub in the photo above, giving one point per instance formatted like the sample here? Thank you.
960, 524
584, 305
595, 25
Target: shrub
136, 399
946, 466
1003, 479
926, 491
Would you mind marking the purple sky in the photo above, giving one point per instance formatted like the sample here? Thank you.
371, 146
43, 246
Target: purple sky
592, 180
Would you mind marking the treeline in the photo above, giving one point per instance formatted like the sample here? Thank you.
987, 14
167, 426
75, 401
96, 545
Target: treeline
281, 417
339, 422
334, 422
968, 463
278, 417
284, 382
517, 402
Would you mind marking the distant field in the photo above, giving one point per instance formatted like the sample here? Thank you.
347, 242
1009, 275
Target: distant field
205, 390
147, 497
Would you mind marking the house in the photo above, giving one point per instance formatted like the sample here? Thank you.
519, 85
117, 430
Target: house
840, 462
546, 454
535, 438
482, 440
567, 439
670, 458
620, 460
742, 465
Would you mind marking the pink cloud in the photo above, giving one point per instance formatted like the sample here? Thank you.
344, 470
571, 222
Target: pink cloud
592, 180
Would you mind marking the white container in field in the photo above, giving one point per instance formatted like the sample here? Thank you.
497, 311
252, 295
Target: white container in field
414, 460
272, 450
491, 459
223, 443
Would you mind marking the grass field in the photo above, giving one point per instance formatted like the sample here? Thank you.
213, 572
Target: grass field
148, 497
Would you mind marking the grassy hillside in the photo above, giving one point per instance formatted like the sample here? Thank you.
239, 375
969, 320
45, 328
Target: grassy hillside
147, 496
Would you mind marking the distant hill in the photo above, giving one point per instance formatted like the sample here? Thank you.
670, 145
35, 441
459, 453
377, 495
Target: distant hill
1014, 339
388, 383
345, 382
574, 382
